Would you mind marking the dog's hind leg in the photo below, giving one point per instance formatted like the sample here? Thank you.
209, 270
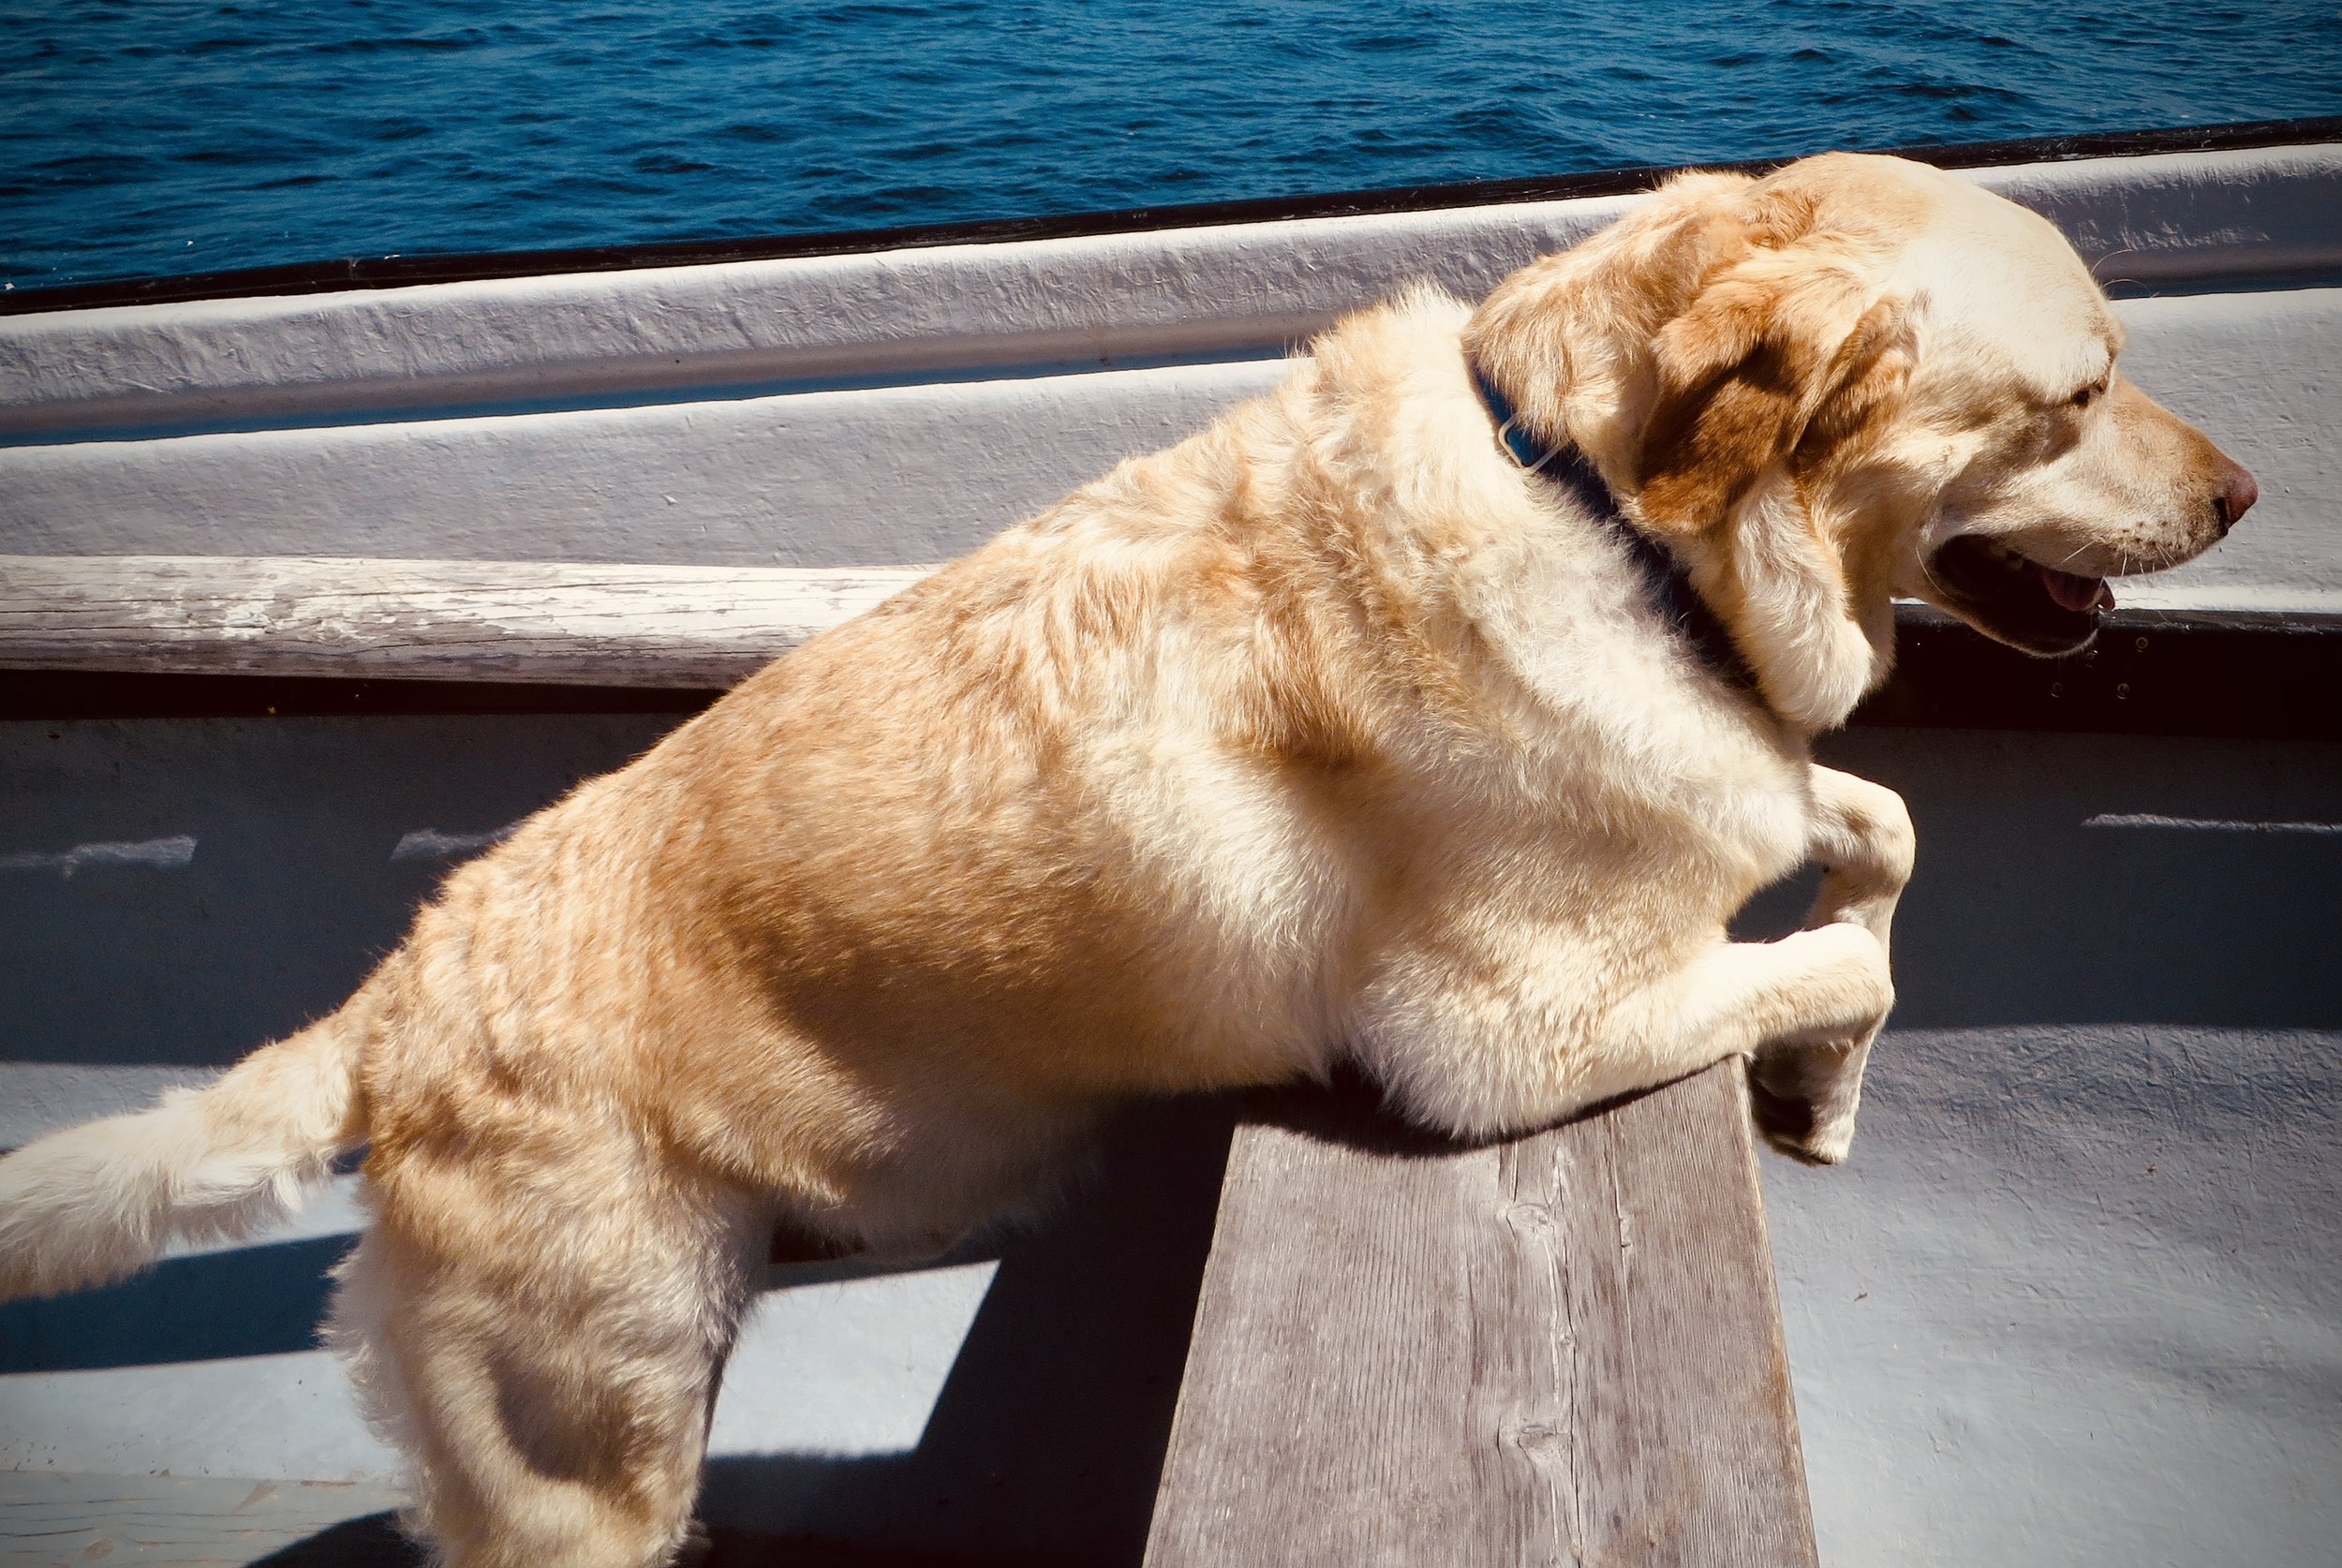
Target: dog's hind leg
548, 1361
1805, 1093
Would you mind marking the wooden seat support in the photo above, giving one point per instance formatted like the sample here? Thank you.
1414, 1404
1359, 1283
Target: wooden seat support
1561, 1350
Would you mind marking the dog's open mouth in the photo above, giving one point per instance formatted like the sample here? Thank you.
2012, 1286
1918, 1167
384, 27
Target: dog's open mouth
2019, 600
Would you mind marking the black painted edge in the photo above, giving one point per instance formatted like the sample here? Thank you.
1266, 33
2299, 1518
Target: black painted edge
400, 270
2238, 675
55, 695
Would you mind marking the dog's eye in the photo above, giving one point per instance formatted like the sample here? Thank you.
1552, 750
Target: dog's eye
2088, 396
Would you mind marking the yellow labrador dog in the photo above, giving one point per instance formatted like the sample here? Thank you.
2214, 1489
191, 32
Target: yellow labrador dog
1437, 708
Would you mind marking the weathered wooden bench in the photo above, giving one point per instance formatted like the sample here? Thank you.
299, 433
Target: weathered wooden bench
1562, 1349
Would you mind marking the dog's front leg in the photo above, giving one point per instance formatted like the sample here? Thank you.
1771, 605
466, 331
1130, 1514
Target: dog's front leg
1478, 1043
1805, 1093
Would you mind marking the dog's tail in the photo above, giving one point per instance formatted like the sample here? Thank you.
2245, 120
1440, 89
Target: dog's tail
99, 1202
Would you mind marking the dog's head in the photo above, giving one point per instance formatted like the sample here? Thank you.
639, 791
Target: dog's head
1856, 378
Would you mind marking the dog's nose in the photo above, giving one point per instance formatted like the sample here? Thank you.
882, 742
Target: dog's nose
2237, 494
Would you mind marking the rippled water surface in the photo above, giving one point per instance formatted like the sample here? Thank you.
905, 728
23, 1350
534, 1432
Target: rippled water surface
165, 136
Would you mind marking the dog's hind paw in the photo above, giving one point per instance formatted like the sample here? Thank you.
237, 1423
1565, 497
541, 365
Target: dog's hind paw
1796, 1127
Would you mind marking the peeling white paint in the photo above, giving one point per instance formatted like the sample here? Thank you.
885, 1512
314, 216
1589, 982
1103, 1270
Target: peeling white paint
160, 854
2203, 824
432, 844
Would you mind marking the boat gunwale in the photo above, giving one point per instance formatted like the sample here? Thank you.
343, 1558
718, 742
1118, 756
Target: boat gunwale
399, 270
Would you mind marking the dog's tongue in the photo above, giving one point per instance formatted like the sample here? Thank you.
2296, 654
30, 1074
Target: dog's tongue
2075, 592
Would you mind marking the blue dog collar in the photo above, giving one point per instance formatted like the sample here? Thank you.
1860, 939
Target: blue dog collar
1666, 580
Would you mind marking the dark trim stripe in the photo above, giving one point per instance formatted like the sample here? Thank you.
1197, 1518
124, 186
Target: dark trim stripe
2146, 675
394, 272
74, 694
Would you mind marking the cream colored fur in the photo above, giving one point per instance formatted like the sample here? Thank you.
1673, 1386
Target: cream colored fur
100, 1202
1328, 731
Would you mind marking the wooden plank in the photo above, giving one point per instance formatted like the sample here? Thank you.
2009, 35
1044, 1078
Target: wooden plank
420, 621
1561, 1350
195, 1521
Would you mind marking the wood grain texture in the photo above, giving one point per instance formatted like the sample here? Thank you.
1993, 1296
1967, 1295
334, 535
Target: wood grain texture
1561, 1350
432, 620
196, 1523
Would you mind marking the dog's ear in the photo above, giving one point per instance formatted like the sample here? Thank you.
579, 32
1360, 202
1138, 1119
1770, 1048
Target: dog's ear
1783, 355
1781, 362
1565, 336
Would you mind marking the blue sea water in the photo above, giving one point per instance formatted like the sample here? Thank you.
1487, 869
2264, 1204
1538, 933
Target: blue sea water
152, 137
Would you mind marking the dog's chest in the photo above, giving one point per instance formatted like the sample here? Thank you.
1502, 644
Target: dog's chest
1623, 732
1760, 823
1712, 821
